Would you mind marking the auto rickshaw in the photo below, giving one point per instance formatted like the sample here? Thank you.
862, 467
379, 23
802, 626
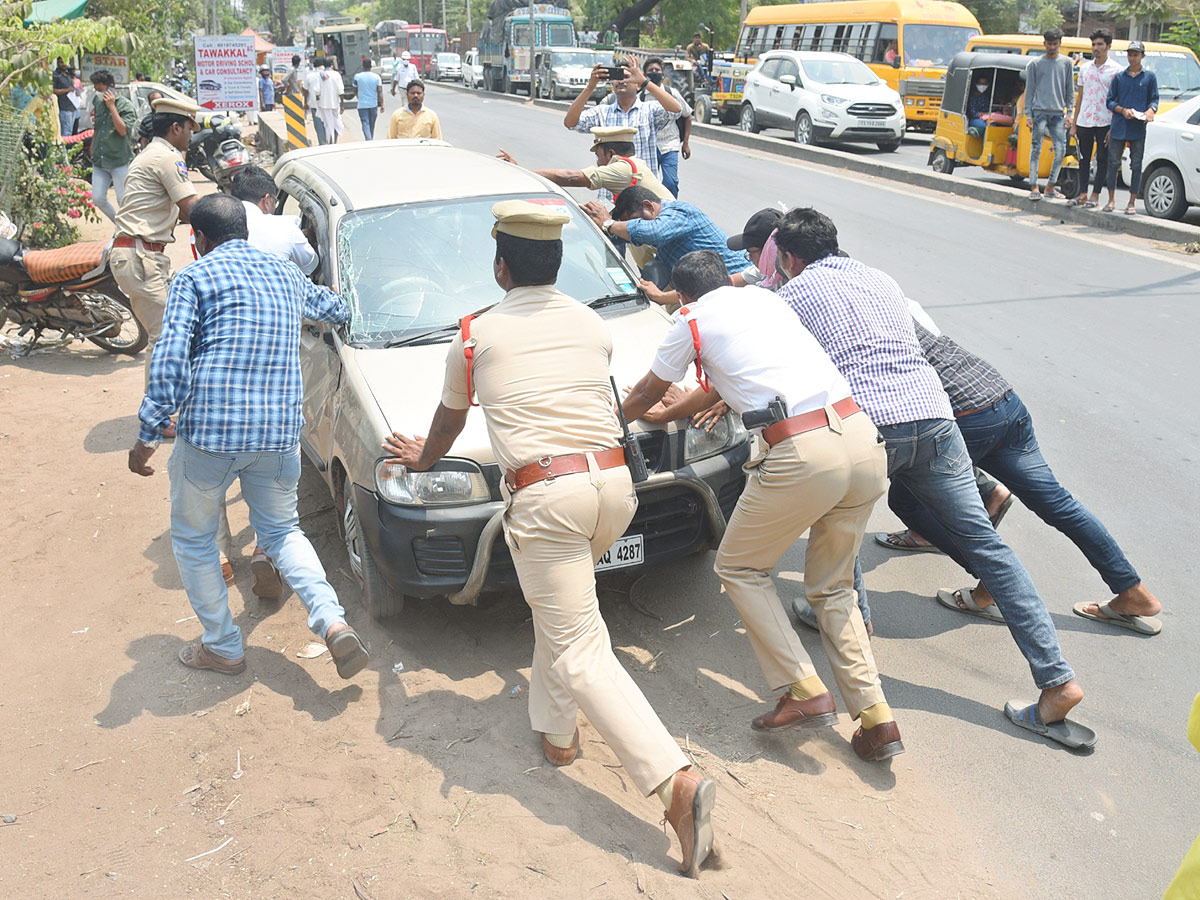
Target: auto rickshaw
1003, 145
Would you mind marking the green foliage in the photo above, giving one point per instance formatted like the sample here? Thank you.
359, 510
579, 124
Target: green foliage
46, 202
1047, 15
1185, 31
156, 22
27, 53
996, 16
1147, 10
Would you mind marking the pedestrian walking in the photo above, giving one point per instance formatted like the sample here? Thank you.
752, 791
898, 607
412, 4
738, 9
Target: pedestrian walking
158, 195
293, 80
1090, 124
415, 119
860, 316
404, 72
63, 83
229, 359
266, 89
330, 103
569, 497
312, 91
1133, 99
674, 139
368, 88
114, 121
647, 116
1049, 91
822, 472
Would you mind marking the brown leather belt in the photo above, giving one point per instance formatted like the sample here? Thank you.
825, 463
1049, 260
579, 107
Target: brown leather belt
809, 421
967, 412
550, 467
132, 242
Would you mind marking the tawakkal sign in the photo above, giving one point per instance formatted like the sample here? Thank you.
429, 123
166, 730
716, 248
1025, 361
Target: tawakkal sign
225, 72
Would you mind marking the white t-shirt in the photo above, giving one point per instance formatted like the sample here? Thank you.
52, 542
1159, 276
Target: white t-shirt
329, 89
312, 83
753, 349
280, 236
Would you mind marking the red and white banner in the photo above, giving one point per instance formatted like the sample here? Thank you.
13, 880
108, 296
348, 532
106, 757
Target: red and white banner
225, 72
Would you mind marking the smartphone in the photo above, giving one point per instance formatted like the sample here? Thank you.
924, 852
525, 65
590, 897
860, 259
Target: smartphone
616, 73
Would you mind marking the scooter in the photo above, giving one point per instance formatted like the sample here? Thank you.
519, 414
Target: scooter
69, 290
216, 150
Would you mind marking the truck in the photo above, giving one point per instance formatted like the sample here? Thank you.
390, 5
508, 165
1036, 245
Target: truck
347, 39
504, 44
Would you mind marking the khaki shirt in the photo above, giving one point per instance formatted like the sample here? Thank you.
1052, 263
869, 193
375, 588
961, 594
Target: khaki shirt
424, 124
541, 376
157, 181
618, 175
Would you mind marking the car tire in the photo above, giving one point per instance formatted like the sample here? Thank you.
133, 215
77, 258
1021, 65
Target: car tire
802, 131
381, 599
702, 109
889, 146
1068, 183
748, 121
1163, 193
941, 163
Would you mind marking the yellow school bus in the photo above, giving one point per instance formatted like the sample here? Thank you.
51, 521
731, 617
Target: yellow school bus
908, 43
1175, 65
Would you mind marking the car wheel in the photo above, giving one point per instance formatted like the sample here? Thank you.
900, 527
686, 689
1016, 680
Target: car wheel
889, 146
941, 163
702, 109
803, 131
1068, 183
383, 602
748, 122
1163, 193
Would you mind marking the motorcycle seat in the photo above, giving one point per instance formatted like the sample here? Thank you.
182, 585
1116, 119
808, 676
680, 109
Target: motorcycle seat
66, 263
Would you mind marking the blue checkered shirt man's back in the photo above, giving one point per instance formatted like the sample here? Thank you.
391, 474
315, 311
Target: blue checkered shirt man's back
859, 315
228, 358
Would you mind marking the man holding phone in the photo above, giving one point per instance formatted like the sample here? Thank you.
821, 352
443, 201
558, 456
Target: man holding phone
115, 121
645, 116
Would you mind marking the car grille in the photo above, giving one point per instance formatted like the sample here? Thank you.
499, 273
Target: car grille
442, 556
871, 110
922, 87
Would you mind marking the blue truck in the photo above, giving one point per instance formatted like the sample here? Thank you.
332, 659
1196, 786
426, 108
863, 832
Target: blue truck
504, 45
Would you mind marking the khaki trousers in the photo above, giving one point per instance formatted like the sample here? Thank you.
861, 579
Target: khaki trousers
144, 277
556, 533
825, 480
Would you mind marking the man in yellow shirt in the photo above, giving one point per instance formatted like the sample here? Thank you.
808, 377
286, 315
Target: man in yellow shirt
414, 120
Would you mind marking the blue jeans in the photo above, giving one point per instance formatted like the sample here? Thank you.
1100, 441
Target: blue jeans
318, 125
199, 480
1001, 441
929, 459
669, 163
66, 122
368, 115
1055, 126
101, 179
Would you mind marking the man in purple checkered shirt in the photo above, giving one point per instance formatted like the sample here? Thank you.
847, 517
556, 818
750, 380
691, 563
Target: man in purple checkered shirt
859, 315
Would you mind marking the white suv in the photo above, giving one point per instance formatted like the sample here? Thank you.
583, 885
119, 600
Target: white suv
822, 97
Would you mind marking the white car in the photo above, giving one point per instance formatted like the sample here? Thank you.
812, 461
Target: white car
472, 71
437, 533
821, 97
1171, 162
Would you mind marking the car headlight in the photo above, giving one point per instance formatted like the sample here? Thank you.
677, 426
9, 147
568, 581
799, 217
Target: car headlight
700, 444
454, 481
834, 101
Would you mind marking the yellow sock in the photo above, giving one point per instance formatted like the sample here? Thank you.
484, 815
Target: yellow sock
876, 715
808, 688
562, 741
665, 791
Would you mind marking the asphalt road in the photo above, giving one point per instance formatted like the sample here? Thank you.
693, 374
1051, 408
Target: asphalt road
1097, 333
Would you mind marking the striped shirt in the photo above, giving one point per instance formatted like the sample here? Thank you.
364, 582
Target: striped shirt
647, 116
970, 382
859, 315
228, 358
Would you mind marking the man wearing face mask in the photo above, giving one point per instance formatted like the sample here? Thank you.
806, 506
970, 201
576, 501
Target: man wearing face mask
673, 138
980, 103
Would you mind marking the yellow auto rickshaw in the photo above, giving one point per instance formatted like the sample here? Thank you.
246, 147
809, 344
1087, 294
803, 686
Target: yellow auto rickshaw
1003, 142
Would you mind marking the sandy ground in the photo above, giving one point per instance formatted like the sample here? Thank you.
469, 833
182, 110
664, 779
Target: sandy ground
130, 775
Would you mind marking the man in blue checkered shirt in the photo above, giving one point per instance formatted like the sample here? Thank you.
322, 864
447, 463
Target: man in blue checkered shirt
860, 316
229, 361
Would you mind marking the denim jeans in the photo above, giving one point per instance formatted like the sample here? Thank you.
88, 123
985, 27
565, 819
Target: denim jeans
1001, 440
101, 179
318, 125
929, 459
66, 122
1055, 126
669, 164
199, 480
1116, 149
367, 116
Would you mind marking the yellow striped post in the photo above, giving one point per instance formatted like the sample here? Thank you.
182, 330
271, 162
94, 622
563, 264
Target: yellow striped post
293, 115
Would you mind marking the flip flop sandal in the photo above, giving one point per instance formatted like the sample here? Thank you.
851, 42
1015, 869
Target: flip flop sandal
1002, 511
1068, 733
1108, 207
348, 651
969, 606
1035, 196
1055, 195
902, 540
1091, 204
1130, 211
195, 655
1147, 625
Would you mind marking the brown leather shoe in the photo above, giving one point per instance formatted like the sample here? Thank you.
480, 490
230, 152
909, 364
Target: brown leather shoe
815, 712
878, 743
268, 584
561, 756
347, 649
692, 801
227, 572
195, 655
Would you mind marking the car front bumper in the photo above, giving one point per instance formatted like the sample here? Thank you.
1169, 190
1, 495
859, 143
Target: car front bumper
832, 124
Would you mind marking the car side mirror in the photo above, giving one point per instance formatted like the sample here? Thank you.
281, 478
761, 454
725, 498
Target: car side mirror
895, 62
789, 80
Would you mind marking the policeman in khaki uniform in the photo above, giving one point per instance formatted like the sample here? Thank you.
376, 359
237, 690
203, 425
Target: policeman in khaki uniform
823, 471
158, 194
539, 363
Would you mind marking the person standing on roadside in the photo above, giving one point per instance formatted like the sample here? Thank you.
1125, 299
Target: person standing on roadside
368, 88
63, 85
823, 470
1049, 91
1089, 125
1133, 99
404, 72
292, 80
266, 89
330, 103
569, 495
673, 139
230, 360
311, 87
114, 120
414, 119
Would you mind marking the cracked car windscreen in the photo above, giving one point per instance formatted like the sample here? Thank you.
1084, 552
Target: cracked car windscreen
418, 267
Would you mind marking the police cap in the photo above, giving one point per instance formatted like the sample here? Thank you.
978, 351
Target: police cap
532, 221
614, 134
175, 107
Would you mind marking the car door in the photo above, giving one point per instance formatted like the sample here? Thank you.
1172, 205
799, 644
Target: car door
1187, 148
761, 88
788, 96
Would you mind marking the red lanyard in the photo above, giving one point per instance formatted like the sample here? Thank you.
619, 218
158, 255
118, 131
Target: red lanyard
634, 180
700, 376
469, 353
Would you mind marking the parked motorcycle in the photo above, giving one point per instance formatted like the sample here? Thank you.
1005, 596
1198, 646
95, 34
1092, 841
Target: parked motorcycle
69, 290
216, 150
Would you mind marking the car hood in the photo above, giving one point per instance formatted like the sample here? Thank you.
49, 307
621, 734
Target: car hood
858, 93
406, 382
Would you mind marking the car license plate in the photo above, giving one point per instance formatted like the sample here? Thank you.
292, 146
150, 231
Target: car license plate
627, 551
869, 123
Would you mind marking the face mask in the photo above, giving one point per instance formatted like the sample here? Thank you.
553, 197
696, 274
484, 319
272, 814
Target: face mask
656, 77
981, 88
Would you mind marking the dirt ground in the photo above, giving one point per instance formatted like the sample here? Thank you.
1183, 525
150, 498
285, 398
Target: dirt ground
130, 775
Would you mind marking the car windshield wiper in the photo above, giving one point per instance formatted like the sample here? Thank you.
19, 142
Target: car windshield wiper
613, 298
423, 336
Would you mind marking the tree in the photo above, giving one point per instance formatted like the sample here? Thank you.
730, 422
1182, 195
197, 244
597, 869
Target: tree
157, 22
995, 16
28, 52
1046, 15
